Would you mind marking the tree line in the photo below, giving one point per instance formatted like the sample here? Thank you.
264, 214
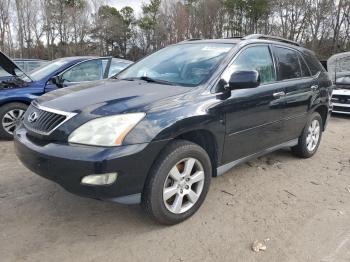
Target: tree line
50, 29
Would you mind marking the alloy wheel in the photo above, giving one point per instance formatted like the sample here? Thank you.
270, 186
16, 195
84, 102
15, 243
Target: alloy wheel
313, 135
10, 119
183, 185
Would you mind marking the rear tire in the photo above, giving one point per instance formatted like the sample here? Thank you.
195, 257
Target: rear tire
310, 139
178, 183
9, 115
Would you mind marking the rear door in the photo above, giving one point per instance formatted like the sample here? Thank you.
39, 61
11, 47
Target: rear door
253, 116
299, 87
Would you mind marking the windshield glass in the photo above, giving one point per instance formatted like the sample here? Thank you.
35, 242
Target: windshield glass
47, 69
5, 76
339, 68
185, 64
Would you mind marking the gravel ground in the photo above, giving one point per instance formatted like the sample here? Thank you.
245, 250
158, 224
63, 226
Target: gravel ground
299, 207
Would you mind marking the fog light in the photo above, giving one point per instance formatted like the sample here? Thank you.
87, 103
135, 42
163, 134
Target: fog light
103, 179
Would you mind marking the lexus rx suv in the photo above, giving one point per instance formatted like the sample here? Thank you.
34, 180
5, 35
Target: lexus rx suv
162, 128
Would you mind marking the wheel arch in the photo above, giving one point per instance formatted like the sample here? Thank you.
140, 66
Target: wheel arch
26, 102
207, 141
323, 111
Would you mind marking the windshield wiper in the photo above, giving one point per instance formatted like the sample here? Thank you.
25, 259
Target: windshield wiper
158, 81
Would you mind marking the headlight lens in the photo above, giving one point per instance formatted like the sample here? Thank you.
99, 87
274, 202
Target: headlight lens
105, 131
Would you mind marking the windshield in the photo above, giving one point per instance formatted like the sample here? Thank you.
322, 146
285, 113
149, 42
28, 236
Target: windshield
47, 69
339, 68
185, 64
5, 76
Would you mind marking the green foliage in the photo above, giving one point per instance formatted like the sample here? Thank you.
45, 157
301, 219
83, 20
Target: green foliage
128, 15
256, 9
152, 8
233, 5
76, 3
108, 12
114, 29
150, 12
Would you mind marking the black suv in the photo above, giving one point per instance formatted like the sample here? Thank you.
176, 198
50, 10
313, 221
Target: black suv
159, 131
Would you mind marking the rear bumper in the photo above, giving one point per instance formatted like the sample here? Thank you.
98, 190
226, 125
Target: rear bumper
67, 164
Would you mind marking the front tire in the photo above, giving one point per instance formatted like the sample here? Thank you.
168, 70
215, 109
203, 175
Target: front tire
178, 183
310, 139
9, 115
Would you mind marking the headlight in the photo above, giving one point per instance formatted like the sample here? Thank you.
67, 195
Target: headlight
105, 131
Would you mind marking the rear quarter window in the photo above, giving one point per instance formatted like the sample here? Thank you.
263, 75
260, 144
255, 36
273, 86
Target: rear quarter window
288, 63
313, 63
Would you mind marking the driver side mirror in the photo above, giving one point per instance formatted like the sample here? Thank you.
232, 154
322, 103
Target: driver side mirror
244, 79
57, 80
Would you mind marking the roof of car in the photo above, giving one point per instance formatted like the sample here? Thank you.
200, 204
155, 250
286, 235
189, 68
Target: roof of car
223, 40
72, 58
28, 59
82, 58
249, 38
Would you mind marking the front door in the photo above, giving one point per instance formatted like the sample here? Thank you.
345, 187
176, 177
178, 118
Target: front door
91, 70
253, 116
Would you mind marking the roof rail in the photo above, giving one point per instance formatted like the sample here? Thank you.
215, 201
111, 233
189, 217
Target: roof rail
234, 37
269, 37
193, 39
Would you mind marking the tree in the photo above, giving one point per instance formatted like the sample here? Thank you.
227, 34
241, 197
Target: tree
127, 29
55, 28
148, 24
5, 28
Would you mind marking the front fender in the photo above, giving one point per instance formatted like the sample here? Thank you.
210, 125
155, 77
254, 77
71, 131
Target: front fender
24, 95
179, 118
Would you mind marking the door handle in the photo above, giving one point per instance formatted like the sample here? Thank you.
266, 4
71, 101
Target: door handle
314, 87
279, 94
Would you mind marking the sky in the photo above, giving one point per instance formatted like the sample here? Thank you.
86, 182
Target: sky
135, 4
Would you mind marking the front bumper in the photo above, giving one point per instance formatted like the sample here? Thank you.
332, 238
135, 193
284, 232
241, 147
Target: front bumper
341, 108
341, 101
67, 164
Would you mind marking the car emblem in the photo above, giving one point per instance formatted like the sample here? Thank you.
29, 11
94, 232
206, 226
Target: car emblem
33, 117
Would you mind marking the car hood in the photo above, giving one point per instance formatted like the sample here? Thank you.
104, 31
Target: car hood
341, 92
109, 96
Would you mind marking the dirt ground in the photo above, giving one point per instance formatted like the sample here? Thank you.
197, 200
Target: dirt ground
300, 207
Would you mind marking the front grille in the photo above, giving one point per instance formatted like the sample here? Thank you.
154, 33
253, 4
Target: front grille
342, 99
42, 121
341, 109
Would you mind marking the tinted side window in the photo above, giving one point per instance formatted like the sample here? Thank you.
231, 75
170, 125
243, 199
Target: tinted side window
311, 60
288, 63
254, 58
305, 72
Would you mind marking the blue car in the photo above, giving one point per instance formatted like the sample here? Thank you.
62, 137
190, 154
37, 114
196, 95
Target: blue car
18, 89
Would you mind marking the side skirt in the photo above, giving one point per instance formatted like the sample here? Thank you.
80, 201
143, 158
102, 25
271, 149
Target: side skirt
224, 168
